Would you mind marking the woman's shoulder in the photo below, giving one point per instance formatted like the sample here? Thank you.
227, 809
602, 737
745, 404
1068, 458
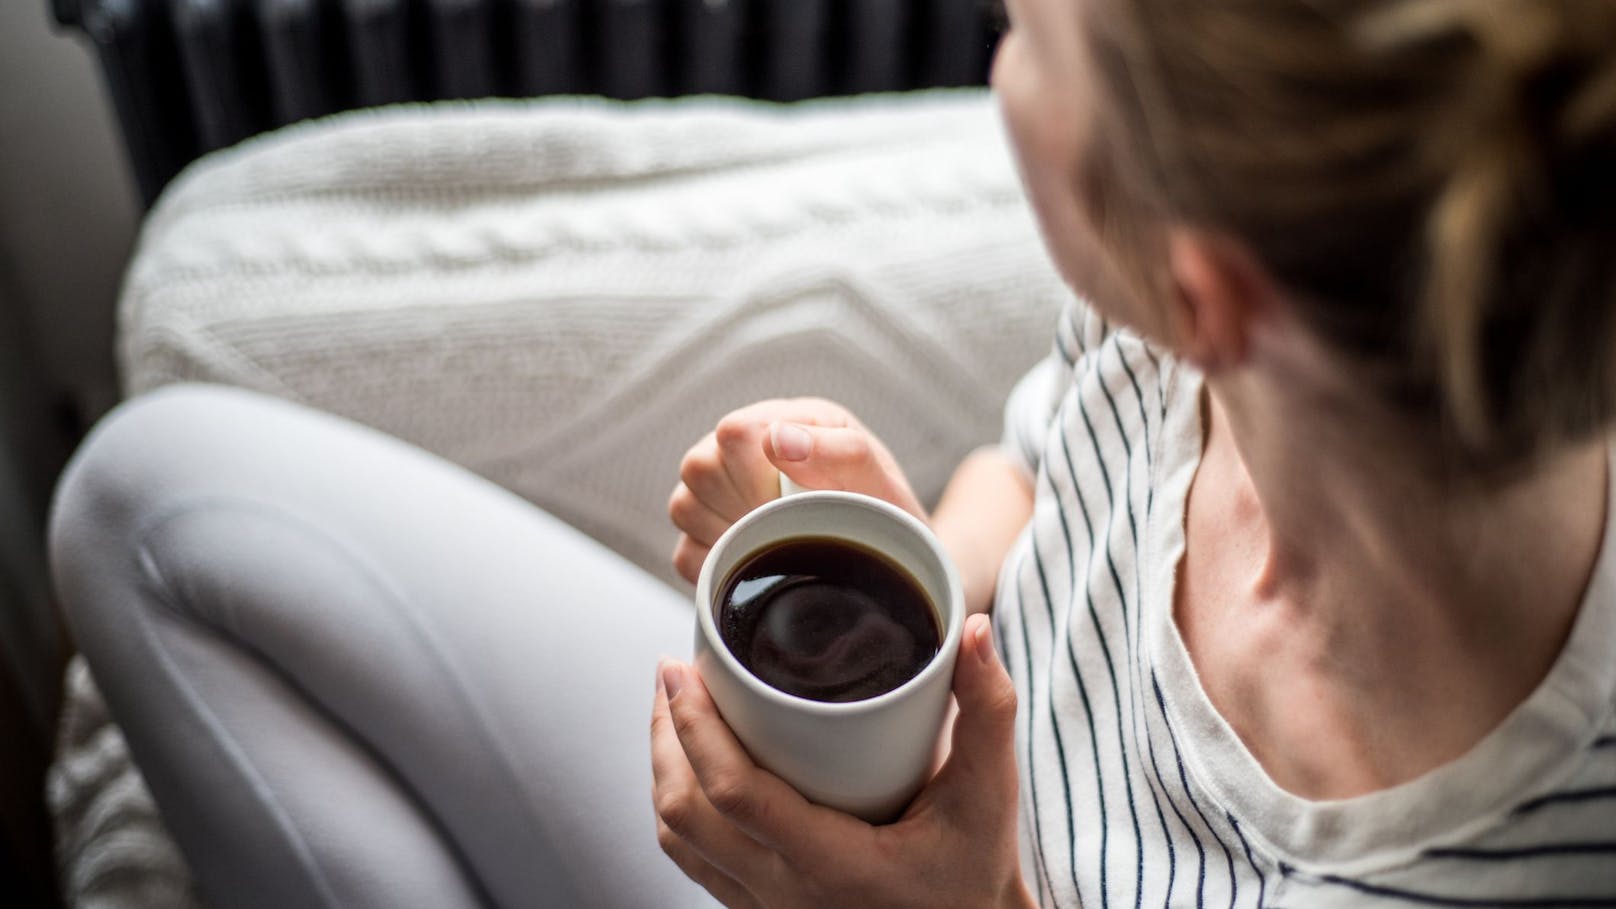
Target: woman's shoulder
1102, 386
1089, 344
1117, 381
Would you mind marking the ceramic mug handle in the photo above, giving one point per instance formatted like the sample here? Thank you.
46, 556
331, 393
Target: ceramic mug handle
789, 487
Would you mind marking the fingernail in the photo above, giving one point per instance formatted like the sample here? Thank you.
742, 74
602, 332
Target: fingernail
661, 666
791, 442
672, 677
984, 641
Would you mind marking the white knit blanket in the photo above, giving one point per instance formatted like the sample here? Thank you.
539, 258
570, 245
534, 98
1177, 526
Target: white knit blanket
563, 295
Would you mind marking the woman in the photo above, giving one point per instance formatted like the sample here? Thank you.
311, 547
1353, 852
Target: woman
1299, 584
1317, 604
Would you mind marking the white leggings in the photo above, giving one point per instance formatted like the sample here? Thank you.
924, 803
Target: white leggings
357, 675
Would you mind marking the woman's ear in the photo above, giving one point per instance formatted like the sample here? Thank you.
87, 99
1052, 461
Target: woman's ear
1220, 292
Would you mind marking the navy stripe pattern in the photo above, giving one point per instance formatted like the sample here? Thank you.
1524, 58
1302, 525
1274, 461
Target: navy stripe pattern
1112, 817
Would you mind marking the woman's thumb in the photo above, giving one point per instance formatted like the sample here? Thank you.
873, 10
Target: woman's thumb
983, 749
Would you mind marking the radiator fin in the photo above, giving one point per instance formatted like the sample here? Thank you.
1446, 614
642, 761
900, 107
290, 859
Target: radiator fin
190, 76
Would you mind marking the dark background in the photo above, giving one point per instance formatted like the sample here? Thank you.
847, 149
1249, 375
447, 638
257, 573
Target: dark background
68, 214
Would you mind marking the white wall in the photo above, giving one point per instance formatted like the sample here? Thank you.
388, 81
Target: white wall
68, 206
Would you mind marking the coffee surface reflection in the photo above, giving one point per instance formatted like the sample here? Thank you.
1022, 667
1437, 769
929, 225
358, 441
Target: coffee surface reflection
827, 620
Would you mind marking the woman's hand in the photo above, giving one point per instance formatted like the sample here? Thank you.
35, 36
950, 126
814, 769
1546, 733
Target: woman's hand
753, 841
737, 467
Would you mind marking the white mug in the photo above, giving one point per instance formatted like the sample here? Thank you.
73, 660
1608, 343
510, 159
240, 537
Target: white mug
868, 758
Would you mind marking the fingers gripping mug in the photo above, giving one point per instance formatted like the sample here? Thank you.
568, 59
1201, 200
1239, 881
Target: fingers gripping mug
826, 630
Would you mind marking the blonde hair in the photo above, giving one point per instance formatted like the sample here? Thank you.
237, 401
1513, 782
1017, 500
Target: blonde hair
1433, 181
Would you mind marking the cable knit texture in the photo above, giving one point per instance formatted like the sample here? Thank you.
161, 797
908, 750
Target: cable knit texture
563, 295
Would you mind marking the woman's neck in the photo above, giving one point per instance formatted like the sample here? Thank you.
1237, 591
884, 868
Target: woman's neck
1388, 602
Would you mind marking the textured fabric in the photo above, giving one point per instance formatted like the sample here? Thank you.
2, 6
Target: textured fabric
110, 842
356, 675
1136, 792
561, 295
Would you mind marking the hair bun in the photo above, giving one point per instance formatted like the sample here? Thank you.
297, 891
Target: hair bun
1552, 62
1590, 116
1435, 180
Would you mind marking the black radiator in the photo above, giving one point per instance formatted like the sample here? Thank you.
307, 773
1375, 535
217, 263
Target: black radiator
190, 76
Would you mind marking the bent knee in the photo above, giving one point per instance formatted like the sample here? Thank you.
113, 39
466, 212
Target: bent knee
138, 460
131, 458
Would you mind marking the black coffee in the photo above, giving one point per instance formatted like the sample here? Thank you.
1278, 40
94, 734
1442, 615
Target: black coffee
826, 619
